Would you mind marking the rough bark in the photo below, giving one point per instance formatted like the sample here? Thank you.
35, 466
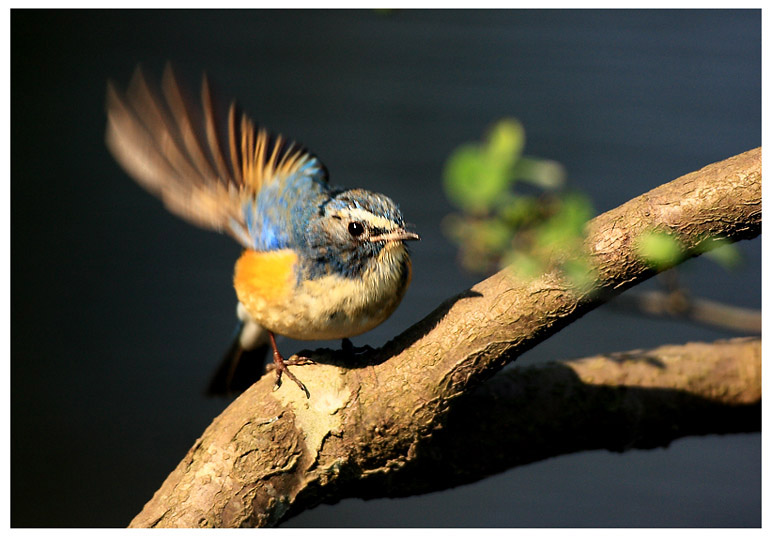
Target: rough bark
270, 454
631, 400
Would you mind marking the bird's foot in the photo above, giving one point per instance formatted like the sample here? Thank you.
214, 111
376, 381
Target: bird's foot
299, 360
280, 365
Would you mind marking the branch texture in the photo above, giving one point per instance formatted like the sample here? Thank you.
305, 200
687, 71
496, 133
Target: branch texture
632, 400
270, 454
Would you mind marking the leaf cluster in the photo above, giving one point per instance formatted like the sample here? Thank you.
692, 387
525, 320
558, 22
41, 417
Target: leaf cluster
515, 210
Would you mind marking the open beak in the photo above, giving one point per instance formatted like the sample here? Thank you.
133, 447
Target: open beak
396, 235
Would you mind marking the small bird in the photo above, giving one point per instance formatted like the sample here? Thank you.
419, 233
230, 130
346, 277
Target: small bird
318, 263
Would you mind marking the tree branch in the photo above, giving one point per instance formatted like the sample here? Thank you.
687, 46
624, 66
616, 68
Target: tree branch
679, 305
633, 400
272, 454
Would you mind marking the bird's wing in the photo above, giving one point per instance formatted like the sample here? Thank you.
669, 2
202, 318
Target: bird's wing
179, 154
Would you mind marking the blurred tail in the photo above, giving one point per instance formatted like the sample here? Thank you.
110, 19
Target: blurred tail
244, 362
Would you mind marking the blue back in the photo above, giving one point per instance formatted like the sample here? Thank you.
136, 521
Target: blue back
278, 215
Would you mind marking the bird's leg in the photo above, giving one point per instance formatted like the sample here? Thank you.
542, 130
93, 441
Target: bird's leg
281, 368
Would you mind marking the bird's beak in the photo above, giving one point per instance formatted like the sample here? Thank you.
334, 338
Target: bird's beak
396, 235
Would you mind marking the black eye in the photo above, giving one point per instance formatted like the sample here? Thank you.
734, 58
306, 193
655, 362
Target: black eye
356, 229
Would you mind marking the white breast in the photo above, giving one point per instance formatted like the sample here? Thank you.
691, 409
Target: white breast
333, 306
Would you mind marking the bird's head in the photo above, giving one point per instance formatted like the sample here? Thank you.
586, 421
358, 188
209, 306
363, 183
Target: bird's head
356, 230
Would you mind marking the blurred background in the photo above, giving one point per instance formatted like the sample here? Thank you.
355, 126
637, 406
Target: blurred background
120, 311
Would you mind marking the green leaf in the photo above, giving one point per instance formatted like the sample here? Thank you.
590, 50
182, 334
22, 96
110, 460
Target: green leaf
461, 175
564, 229
518, 210
494, 236
659, 249
506, 141
545, 174
575, 211
472, 182
579, 273
523, 265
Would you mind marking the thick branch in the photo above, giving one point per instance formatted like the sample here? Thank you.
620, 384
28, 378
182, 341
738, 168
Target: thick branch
271, 454
634, 400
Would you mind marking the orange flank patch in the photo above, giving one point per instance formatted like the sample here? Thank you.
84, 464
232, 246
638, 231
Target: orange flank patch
262, 277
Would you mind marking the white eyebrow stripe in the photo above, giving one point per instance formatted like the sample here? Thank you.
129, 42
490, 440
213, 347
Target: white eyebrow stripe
368, 217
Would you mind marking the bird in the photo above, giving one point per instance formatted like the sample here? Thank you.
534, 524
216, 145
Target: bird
318, 262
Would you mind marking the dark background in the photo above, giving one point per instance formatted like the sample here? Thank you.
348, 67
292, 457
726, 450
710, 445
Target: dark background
119, 310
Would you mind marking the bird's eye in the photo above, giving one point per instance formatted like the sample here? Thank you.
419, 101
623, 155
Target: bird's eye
356, 229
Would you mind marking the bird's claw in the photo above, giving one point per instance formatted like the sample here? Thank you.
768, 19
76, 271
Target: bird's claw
299, 360
281, 368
